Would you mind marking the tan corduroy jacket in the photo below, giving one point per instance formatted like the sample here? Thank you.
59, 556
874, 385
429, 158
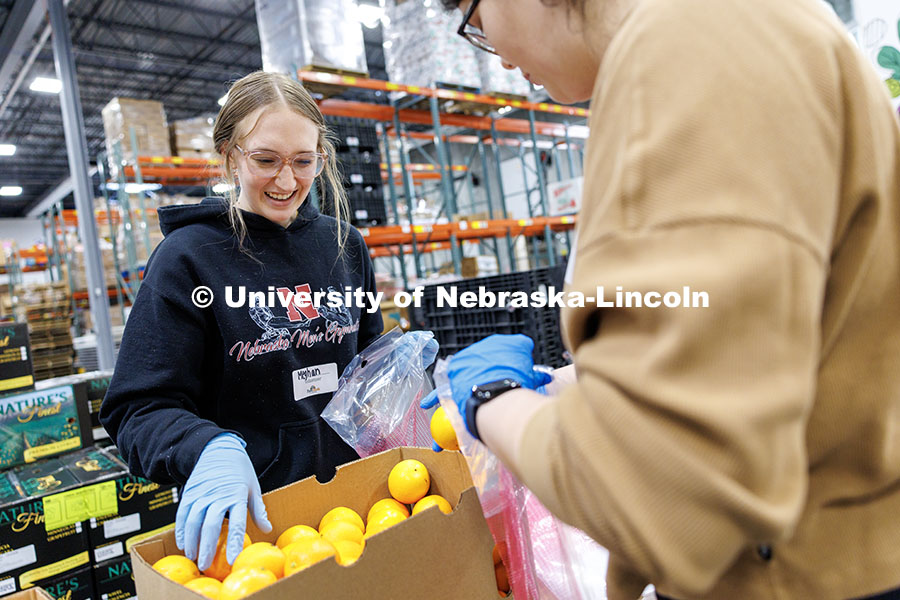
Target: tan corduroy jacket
751, 449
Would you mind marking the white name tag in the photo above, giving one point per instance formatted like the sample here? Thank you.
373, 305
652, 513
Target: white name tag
309, 381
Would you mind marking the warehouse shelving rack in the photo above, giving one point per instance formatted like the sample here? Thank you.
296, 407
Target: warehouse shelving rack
410, 111
402, 121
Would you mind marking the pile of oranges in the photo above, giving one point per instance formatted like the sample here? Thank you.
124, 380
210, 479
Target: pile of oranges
341, 535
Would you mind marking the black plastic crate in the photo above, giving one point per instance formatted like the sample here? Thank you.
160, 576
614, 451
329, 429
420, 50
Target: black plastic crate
457, 328
353, 135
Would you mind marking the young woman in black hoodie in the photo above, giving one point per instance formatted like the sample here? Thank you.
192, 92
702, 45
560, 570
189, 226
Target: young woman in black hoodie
221, 396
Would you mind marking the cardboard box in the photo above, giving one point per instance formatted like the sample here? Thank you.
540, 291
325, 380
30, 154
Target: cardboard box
144, 510
146, 117
565, 196
16, 371
29, 554
430, 555
35, 593
42, 423
74, 585
114, 579
480, 266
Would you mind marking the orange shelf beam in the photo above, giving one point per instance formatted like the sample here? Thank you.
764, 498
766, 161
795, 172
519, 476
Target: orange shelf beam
387, 86
362, 110
393, 235
383, 251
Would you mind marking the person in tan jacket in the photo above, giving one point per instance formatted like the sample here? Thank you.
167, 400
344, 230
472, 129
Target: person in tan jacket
747, 448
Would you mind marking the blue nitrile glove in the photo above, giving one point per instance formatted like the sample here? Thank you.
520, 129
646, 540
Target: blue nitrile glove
493, 358
417, 342
223, 481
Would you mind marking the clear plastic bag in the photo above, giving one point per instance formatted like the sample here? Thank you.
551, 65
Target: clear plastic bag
545, 558
376, 405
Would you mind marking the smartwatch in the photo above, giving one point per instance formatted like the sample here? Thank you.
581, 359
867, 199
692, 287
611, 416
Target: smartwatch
485, 393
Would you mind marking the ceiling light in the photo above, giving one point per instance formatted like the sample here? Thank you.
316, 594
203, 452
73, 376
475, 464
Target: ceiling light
504, 110
7, 149
221, 188
223, 100
48, 85
10, 190
134, 188
430, 14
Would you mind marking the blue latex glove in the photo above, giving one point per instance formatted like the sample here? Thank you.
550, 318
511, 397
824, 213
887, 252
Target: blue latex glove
223, 480
412, 342
493, 358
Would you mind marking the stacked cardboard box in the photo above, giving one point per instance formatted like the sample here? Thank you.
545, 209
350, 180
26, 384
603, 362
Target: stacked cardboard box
77, 266
47, 308
193, 138
147, 117
90, 389
422, 48
84, 554
310, 33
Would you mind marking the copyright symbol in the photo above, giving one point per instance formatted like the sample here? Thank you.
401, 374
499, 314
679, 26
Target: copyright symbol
202, 296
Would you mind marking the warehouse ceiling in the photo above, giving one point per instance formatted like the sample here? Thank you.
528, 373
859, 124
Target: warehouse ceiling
183, 53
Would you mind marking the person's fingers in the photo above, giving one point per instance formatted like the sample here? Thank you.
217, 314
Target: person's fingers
181, 514
209, 534
258, 510
237, 526
192, 525
541, 378
430, 400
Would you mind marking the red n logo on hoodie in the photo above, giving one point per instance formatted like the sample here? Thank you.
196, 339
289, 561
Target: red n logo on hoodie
304, 311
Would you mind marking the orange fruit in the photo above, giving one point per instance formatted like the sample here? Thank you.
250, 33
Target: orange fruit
342, 530
433, 500
342, 513
387, 519
292, 534
261, 554
219, 569
409, 481
502, 579
442, 431
498, 552
177, 568
243, 582
306, 552
205, 586
387, 504
347, 552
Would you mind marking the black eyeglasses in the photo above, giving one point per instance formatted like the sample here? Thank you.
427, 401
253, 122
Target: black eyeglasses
472, 34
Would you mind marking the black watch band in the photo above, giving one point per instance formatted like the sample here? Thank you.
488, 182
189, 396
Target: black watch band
485, 393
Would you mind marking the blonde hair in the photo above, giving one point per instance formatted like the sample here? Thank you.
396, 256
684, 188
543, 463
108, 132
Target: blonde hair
257, 90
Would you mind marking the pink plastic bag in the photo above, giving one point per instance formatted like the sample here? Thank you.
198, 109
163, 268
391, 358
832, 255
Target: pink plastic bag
545, 558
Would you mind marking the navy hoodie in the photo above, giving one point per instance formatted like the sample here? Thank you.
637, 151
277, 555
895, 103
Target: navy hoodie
186, 374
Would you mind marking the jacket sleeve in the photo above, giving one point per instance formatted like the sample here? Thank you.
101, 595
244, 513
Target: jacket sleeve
152, 405
682, 443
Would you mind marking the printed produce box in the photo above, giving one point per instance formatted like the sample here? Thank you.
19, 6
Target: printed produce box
94, 384
30, 554
74, 585
144, 510
42, 423
58, 493
442, 552
113, 579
